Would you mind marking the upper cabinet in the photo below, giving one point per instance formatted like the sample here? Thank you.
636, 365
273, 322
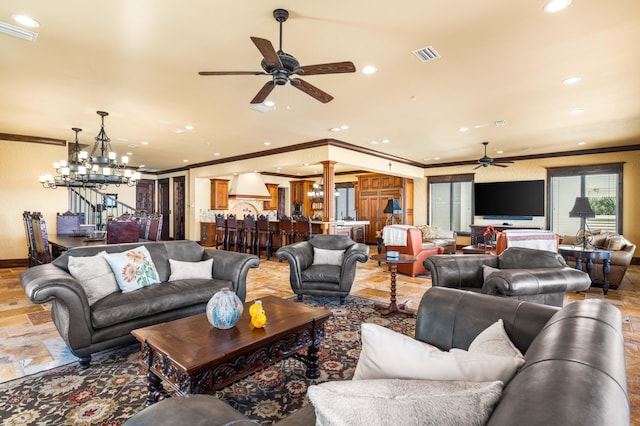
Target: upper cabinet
219, 194
271, 204
300, 195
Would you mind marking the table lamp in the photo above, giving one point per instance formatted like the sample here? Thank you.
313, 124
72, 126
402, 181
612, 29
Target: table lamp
392, 208
583, 210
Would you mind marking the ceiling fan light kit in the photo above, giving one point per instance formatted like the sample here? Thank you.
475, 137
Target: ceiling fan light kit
282, 66
487, 161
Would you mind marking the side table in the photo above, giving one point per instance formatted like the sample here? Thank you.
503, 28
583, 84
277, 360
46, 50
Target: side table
579, 253
393, 267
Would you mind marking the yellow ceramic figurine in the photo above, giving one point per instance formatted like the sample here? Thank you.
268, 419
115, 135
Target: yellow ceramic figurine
256, 306
258, 317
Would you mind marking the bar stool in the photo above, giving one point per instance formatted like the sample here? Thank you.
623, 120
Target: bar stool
263, 240
302, 229
287, 233
231, 233
218, 239
247, 234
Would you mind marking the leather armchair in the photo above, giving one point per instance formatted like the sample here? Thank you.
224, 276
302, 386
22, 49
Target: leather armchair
532, 275
323, 279
622, 251
415, 247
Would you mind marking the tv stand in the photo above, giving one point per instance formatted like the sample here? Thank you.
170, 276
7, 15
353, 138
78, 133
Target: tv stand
477, 231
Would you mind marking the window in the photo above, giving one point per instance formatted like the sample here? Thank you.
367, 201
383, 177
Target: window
601, 184
450, 202
345, 201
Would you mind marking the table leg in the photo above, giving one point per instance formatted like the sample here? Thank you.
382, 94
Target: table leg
606, 267
589, 266
579, 264
313, 363
155, 390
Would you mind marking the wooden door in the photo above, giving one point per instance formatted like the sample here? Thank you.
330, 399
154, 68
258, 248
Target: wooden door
145, 195
163, 207
179, 206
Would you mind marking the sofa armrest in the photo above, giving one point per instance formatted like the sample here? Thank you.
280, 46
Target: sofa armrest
528, 282
356, 253
450, 318
458, 271
300, 257
70, 312
234, 267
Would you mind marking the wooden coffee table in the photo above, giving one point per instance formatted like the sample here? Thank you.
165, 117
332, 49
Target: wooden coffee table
194, 357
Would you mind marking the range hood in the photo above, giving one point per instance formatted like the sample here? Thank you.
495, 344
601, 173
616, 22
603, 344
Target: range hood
249, 186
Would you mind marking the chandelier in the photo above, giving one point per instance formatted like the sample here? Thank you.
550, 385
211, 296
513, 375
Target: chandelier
97, 170
317, 191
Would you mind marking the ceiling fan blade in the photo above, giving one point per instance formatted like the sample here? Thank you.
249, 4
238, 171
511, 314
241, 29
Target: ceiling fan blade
505, 161
266, 48
477, 167
232, 73
263, 93
311, 90
333, 68
499, 165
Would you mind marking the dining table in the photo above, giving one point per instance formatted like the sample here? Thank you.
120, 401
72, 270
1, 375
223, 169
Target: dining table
63, 242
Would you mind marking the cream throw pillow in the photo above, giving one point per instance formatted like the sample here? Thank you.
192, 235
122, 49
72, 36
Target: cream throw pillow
94, 275
190, 270
133, 269
327, 257
404, 402
389, 355
495, 341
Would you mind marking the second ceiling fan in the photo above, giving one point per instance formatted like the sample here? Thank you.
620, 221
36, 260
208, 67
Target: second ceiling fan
282, 66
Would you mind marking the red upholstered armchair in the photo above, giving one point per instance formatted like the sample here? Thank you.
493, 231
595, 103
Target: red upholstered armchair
414, 248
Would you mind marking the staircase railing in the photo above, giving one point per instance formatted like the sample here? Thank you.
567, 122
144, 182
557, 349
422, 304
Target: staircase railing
97, 206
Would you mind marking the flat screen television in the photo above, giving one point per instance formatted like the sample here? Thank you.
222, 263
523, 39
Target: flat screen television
509, 199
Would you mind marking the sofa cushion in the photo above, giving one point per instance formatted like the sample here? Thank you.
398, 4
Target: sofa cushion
321, 273
487, 271
521, 257
429, 232
327, 257
614, 242
190, 270
145, 302
94, 275
404, 402
133, 269
387, 354
495, 341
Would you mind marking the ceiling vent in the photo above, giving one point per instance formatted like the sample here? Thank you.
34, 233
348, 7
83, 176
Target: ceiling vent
426, 54
17, 32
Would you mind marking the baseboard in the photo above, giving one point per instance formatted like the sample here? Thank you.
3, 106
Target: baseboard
14, 263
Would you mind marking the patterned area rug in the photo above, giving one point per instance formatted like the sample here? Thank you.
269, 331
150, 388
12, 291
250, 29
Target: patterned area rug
114, 388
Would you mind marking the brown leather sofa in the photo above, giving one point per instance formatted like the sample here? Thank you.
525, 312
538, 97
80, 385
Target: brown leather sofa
432, 236
574, 371
415, 247
622, 251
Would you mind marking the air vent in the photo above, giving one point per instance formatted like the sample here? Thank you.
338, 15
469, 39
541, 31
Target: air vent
426, 54
17, 32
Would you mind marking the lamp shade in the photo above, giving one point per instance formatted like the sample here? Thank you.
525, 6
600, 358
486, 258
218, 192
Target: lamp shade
582, 208
392, 207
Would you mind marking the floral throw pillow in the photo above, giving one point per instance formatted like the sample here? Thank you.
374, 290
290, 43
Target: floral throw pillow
133, 268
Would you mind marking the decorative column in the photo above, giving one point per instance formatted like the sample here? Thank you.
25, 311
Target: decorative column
329, 205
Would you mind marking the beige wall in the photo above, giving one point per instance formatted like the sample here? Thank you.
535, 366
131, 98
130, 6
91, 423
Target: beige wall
21, 164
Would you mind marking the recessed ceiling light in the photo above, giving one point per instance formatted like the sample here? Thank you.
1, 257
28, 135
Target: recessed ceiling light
185, 161
335, 129
463, 129
344, 127
385, 141
129, 153
499, 152
269, 103
141, 166
216, 153
305, 164
577, 111
554, 6
179, 131
267, 143
373, 142
481, 126
369, 69
188, 127
500, 123
582, 143
436, 158
25, 20
144, 143
571, 80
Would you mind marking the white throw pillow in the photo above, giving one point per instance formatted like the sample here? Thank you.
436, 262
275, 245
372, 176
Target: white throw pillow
488, 270
404, 402
327, 257
94, 275
133, 268
189, 270
389, 355
494, 340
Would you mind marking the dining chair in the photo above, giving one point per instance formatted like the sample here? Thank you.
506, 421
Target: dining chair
263, 240
154, 232
41, 239
123, 230
31, 244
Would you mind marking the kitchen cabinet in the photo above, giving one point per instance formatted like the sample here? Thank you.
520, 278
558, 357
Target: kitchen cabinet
271, 204
219, 194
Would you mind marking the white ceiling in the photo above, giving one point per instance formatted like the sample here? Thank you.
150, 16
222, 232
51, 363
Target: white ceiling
501, 60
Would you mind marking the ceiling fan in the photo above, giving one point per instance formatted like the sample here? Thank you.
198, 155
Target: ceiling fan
282, 66
488, 161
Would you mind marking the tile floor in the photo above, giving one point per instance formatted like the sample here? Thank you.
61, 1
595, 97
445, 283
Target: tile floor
29, 341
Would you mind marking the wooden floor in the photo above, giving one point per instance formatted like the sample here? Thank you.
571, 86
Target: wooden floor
30, 343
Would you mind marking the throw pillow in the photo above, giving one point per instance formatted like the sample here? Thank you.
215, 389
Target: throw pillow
133, 268
94, 275
327, 257
494, 340
387, 354
189, 270
404, 402
488, 270
614, 242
